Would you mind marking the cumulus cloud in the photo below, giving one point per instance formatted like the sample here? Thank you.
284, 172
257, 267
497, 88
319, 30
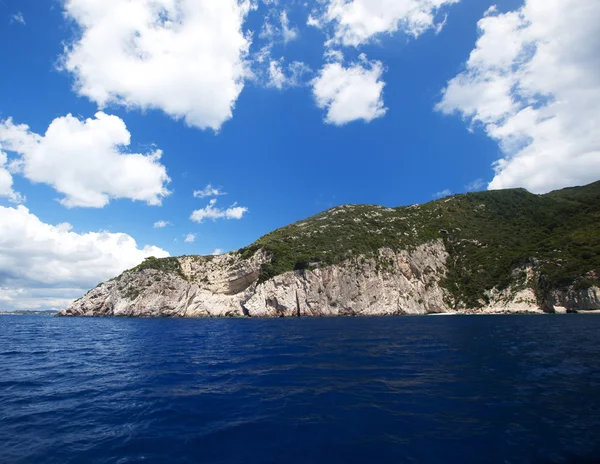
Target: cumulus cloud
217, 252
357, 22
214, 213
209, 191
532, 83
186, 57
350, 93
189, 238
37, 298
43, 265
86, 161
6, 182
161, 224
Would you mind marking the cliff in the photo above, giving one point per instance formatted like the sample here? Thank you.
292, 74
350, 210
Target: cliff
489, 252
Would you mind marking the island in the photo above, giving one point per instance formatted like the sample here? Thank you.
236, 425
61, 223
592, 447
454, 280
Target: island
504, 251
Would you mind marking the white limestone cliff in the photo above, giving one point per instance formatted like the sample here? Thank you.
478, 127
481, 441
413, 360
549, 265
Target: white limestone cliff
392, 283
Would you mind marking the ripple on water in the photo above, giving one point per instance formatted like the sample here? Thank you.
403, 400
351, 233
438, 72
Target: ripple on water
484, 389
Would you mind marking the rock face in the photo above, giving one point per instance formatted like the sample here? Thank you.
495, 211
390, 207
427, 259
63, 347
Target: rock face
523, 298
577, 300
405, 282
392, 283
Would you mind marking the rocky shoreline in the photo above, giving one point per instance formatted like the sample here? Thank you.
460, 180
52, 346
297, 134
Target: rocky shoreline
390, 283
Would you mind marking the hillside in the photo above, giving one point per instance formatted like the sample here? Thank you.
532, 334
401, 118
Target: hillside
487, 234
493, 241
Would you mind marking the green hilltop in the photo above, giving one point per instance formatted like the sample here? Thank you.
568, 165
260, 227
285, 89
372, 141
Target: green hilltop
490, 237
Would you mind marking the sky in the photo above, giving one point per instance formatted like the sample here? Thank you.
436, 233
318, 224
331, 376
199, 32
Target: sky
136, 128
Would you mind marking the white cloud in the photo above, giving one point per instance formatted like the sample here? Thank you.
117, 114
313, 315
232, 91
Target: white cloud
282, 32
263, 55
268, 30
357, 22
443, 193
333, 55
276, 76
217, 252
474, 186
274, 72
314, 21
6, 182
209, 191
351, 93
85, 161
42, 263
18, 18
297, 73
532, 83
292, 76
189, 238
32, 298
186, 57
289, 33
439, 26
161, 224
211, 212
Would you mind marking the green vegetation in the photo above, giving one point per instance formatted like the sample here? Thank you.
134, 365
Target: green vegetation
496, 232
489, 235
131, 293
335, 235
167, 265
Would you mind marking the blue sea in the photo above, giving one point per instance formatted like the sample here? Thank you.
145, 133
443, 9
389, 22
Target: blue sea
497, 389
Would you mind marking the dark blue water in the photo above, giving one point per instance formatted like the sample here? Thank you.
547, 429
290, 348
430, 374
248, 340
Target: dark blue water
514, 389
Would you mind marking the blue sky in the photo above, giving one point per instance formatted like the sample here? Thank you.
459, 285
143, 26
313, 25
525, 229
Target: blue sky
288, 107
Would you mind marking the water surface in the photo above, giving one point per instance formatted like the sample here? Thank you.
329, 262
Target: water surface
502, 389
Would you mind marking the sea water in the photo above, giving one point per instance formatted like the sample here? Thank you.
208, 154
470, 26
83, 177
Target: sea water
494, 389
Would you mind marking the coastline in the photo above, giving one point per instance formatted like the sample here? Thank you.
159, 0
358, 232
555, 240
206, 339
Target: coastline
331, 316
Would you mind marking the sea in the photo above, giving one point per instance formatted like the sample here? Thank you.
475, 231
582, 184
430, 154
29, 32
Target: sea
456, 389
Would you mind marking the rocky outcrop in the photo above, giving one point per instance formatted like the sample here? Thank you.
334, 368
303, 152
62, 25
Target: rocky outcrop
575, 300
522, 298
207, 286
227, 285
391, 283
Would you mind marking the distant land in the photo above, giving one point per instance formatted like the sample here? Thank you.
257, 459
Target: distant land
46, 312
504, 251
